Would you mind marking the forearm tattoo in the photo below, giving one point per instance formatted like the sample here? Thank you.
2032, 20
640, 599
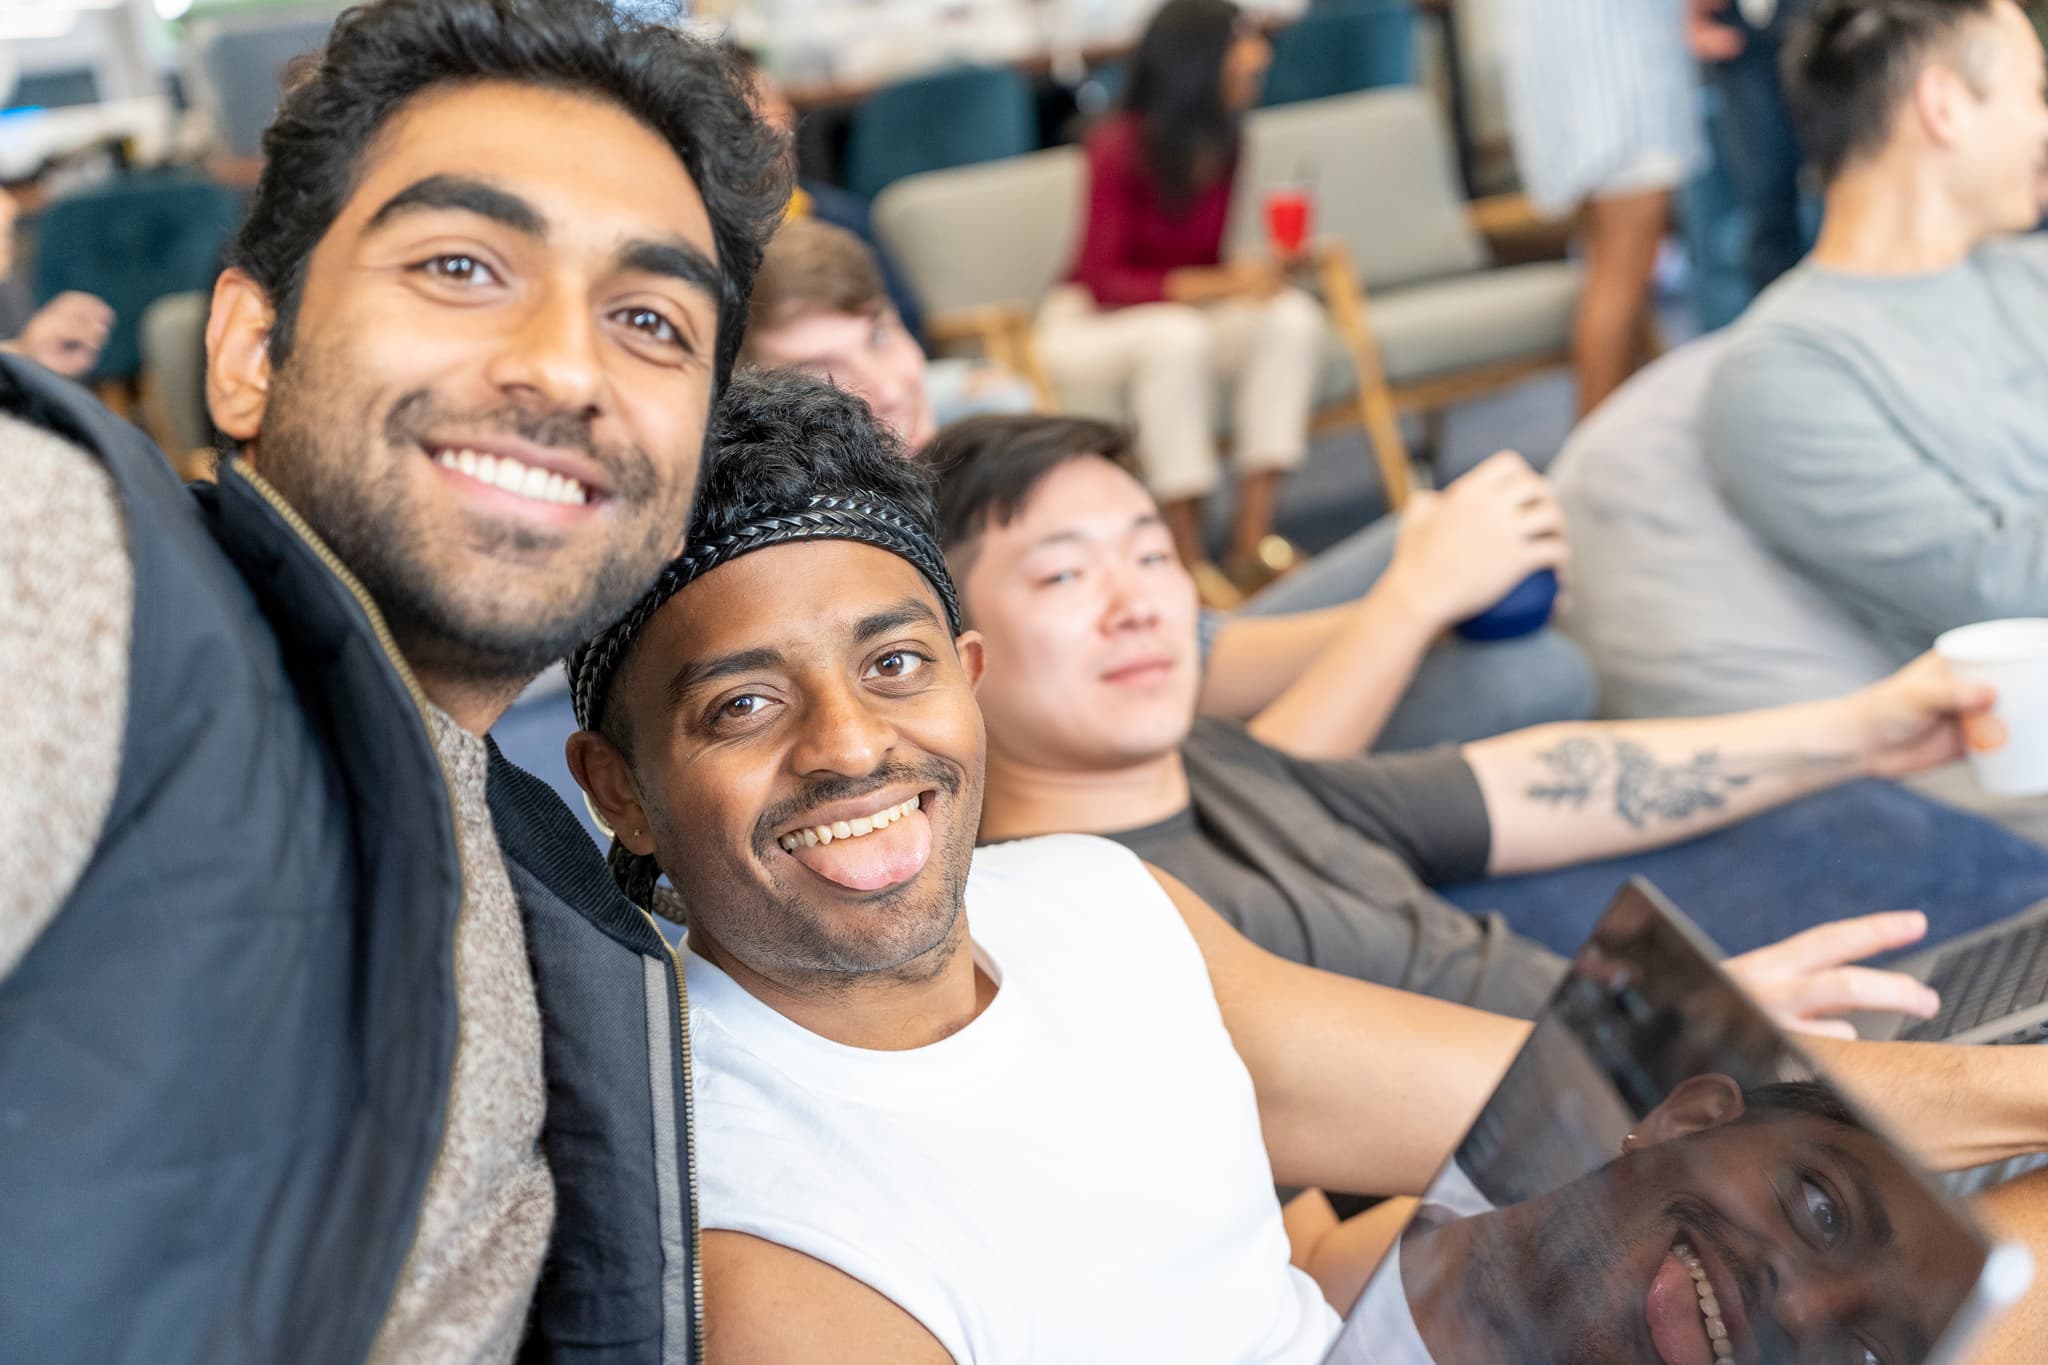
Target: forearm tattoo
1581, 769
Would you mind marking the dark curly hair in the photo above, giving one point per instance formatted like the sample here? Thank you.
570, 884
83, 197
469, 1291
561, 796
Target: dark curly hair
779, 442
383, 54
788, 458
780, 436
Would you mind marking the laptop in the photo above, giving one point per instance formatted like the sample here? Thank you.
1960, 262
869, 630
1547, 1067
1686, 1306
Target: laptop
1993, 985
1663, 1178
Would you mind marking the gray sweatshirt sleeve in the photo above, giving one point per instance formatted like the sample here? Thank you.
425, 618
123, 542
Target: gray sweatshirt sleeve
67, 600
1807, 454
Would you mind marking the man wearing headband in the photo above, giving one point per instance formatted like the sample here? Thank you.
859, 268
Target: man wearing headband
1031, 1111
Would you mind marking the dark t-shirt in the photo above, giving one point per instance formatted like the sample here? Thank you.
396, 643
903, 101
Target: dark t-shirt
1329, 862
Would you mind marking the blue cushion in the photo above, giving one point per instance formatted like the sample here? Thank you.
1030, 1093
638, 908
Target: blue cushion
131, 243
951, 118
1359, 46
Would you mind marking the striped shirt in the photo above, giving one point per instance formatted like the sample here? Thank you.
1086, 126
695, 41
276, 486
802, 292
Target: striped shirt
1601, 95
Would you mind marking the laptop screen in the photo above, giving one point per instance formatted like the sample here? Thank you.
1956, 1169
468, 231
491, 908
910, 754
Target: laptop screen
1662, 1178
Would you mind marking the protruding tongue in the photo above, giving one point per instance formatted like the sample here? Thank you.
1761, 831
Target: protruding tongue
1676, 1328
870, 862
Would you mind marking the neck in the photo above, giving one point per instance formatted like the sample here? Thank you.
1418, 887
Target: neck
1892, 216
1023, 799
928, 999
474, 705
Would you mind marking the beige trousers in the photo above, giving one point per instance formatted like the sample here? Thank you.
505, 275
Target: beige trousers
1159, 363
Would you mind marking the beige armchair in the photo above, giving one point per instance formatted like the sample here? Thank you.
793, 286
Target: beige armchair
1420, 316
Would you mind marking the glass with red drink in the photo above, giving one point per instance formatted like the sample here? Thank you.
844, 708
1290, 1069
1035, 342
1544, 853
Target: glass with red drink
1289, 215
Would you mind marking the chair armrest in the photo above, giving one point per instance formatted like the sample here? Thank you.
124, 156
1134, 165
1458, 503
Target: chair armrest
1003, 333
988, 327
1514, 230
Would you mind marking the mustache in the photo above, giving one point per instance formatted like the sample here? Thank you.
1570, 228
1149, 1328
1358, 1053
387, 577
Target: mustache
827, 790
419, 415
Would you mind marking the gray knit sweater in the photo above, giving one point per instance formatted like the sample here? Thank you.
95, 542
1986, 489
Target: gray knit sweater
66, 608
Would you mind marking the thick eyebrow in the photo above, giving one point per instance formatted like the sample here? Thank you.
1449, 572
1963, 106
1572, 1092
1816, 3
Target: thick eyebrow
675, 260
889, 620
696, 672
1139, 522
468, 195
671, 258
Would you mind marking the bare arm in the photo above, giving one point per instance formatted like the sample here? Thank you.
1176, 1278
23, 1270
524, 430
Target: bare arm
2017, 1212
1323, 684
1563, 794
1360, 1087
1368, 1089
1256, 657
1331, 677
767, 1305
1954, 1107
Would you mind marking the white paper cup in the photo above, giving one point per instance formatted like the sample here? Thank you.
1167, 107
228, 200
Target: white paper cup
2009, 747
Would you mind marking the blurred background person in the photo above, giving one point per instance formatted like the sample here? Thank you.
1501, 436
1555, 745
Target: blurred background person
1738, 43
1605, 119
67, 333
1153, 310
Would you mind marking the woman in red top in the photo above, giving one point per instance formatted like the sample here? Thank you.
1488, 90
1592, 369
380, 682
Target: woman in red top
1152, 315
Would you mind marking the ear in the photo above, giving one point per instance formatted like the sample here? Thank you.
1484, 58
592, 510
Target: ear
1939, 94
1696, 1104
973, 658
238, 355
607, 781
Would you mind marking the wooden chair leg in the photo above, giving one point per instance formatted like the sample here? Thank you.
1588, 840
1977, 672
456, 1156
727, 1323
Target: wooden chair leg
1345, 298
1029, 361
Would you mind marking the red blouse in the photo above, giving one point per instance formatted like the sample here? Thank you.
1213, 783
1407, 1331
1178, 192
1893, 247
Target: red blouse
1131, 241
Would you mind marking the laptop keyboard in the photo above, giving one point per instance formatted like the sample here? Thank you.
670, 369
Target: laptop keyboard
1991, 978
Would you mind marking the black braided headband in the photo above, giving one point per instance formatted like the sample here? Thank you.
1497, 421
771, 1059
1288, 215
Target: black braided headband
863, 517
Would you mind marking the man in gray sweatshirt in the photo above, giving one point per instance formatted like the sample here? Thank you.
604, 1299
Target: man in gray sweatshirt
1881, 417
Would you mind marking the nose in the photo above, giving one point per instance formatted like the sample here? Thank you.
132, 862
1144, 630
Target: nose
1131, 605
1816, 1306
550, 356
840, 733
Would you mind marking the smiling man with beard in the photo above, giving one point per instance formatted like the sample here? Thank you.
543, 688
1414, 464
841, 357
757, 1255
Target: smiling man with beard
1770, 1221
296, 1033
1022, 1103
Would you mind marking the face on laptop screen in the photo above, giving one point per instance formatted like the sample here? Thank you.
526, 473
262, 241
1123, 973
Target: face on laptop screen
1662, 1180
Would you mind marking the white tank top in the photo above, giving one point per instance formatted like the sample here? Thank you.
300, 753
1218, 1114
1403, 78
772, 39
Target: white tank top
1078, 1175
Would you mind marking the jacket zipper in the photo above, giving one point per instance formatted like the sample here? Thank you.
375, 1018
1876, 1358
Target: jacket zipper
675, 962
379, 1347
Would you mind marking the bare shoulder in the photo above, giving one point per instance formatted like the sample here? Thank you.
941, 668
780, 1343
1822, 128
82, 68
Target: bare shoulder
1240, 971
767, 1305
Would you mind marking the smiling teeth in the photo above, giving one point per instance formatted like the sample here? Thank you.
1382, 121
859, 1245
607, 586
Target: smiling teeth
1710, 1307
846, 829
524, 480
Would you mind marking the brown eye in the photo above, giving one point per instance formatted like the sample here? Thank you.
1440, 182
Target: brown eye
897, 663
457, 269
746, 706
651, 325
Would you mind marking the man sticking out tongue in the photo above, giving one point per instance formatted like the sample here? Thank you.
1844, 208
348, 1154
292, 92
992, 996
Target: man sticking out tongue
1028, 1101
